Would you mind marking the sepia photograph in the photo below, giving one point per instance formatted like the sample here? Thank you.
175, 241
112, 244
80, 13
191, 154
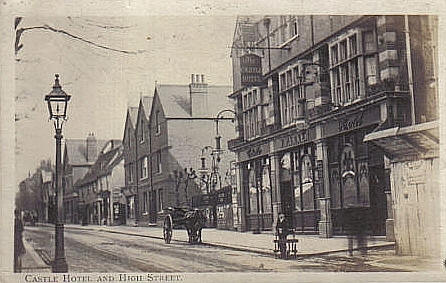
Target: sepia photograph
148, 147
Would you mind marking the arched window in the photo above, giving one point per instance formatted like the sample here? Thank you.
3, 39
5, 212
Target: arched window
266, 190
348, 176
252, 191
307, 182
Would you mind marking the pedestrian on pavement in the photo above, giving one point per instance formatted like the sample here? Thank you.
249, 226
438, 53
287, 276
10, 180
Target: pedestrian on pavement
282, 231
356, 227
19, 248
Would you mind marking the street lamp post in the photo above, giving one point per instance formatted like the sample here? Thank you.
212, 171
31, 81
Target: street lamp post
57, 101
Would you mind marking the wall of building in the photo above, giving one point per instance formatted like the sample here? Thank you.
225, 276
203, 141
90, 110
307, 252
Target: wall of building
416, 206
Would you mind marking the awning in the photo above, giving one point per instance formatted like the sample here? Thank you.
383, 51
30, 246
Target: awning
416, 140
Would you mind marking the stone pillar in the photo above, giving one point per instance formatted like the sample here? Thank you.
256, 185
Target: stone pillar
390, 233
275, 186
323, 181
325, 225
241, 221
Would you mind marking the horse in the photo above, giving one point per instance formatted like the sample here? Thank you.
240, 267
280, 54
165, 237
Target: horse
194, 221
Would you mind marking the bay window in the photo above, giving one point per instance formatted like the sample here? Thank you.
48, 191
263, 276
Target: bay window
352, 59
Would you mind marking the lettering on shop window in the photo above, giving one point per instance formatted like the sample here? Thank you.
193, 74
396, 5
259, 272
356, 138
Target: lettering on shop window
351, 123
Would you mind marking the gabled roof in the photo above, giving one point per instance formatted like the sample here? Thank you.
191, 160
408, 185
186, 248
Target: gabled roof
103, 165
147, 105
76, 150
175, 100
133, 113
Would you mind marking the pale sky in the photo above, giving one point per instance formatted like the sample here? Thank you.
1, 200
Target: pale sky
102, 82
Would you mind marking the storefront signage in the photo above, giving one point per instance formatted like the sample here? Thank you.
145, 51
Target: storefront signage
254, 152
367, 117
250, 70
351, 123
292, 140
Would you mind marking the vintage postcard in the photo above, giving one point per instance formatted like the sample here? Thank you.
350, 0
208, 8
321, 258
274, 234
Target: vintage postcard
219, 141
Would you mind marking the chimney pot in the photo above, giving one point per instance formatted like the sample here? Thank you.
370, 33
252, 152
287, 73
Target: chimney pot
202, 78
197, 78
192, 78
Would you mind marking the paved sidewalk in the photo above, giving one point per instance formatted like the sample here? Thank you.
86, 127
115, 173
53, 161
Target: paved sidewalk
309, 245
32, 262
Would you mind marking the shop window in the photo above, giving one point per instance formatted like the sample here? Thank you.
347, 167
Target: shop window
364, 197
296, 181
348, 176
266, 191
335, 188
308, 193
252, 191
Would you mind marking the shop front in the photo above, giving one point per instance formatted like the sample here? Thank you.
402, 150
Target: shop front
297, 179
256, 193
357, 177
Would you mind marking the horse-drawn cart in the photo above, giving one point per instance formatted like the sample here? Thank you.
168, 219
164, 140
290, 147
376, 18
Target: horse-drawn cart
191, 219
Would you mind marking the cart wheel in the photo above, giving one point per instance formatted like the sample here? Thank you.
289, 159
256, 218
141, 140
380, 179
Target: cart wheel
167, 229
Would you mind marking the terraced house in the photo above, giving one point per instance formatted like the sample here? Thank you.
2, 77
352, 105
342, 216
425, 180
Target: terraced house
164, 142
308, 89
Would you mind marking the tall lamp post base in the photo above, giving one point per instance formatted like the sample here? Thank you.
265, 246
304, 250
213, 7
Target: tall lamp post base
59, 264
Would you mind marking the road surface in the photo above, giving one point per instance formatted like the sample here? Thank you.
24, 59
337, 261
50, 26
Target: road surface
101, 251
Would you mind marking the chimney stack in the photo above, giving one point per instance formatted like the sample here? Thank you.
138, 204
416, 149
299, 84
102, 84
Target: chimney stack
92, 148
198, 91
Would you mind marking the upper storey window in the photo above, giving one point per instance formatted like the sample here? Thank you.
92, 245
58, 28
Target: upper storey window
352, 60
253, 112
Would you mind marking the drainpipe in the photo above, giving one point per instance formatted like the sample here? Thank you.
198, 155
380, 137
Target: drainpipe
409, 68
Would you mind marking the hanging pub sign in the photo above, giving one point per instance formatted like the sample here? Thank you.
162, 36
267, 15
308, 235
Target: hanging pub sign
250, 70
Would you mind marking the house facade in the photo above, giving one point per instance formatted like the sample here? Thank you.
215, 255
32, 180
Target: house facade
308, 89
78, 156
174, 129
100, 191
